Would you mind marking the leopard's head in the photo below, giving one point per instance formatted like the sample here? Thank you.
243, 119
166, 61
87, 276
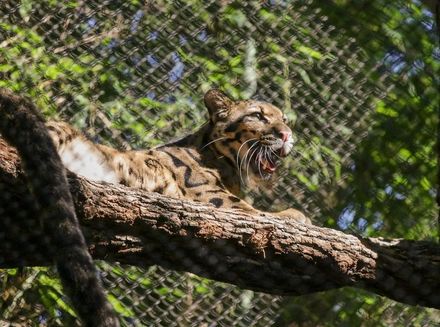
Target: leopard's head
253, 134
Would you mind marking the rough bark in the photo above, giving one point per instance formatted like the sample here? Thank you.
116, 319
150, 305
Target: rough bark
264, 253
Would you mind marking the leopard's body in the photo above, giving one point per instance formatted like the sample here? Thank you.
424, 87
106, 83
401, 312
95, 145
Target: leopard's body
242, 140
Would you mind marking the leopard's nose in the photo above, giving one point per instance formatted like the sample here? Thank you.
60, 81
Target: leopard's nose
285, 135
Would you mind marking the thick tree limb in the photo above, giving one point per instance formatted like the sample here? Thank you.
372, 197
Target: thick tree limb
263, 253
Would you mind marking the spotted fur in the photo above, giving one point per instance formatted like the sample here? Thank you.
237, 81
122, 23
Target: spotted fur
242, 141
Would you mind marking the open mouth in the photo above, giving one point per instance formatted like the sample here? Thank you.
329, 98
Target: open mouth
262, 160
269, 164
266, 163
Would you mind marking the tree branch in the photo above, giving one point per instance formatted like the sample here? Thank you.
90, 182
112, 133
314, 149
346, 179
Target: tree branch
263, 253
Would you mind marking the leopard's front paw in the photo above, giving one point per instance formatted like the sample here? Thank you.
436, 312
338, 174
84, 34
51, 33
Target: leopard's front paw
294, 214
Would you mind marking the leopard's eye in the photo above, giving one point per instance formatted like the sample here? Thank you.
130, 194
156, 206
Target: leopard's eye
257, 115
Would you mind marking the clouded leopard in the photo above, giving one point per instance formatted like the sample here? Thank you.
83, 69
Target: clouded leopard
242, 138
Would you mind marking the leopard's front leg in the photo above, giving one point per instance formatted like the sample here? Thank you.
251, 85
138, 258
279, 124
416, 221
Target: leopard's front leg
231, 201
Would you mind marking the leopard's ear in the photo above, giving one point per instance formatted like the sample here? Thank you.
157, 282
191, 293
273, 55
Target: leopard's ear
218, 104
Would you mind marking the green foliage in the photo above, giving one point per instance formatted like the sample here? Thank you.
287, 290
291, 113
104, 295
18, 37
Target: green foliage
393, 183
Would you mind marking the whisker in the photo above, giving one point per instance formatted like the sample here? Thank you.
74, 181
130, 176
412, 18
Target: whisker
247, 153
269, 156
275, 154
246, 165
266, 153
219, 139
245, 157
259, 155
249, 161
239, 149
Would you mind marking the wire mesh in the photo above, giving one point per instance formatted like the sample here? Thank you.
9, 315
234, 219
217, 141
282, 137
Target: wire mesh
358, 82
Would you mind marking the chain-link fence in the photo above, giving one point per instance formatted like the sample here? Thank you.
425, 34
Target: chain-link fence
358, 81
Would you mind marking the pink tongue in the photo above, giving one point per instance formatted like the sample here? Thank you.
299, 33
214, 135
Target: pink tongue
268, 166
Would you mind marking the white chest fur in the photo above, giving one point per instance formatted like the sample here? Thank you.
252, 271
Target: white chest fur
83, 159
